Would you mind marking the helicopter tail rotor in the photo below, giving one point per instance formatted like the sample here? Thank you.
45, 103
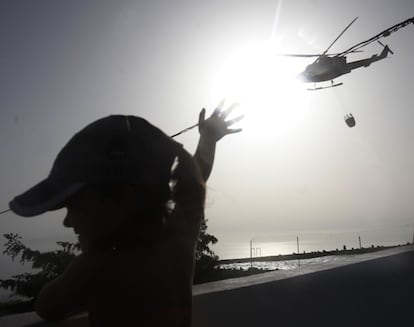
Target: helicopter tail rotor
385, 47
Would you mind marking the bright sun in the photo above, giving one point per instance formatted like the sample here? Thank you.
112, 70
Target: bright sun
265, 86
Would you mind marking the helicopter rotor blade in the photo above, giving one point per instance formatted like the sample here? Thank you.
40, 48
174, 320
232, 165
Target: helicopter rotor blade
349, 25
311, 55
298, 55
384, 33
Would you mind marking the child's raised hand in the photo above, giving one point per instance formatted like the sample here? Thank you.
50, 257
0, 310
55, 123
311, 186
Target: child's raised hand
215, 127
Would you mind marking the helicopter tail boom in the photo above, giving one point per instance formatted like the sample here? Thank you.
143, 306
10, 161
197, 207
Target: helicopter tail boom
366, 62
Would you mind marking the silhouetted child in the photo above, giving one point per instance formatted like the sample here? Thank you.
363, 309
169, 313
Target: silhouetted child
135, 198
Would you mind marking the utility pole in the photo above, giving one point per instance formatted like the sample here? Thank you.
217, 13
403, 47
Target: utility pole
359, 237
297, 242
251, 253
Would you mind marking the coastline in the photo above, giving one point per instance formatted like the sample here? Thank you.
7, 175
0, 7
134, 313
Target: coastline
310, 255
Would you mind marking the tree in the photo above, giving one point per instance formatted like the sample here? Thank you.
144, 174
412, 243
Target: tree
205, 258
51, 265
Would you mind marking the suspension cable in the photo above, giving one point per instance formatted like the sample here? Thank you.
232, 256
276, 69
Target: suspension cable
4, 211
184, 130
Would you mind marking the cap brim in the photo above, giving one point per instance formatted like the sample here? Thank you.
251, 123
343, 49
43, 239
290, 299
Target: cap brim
45, 196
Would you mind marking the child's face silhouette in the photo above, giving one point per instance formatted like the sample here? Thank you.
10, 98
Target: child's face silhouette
93, 217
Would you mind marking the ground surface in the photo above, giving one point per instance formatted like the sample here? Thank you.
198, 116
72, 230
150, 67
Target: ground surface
378, 292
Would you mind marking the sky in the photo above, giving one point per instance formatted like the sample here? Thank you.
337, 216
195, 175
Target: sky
295, 170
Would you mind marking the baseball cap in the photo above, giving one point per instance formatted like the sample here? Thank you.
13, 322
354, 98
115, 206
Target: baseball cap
115, 149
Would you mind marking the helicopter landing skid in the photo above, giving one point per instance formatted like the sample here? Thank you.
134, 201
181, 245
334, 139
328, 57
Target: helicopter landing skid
325, 87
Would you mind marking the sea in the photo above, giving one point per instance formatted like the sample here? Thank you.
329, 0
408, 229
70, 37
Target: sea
260, 245
282, 264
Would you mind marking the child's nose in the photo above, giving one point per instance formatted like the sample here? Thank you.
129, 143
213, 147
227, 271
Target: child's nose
68, 221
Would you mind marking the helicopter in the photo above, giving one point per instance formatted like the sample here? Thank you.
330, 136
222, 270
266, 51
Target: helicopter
327, 67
